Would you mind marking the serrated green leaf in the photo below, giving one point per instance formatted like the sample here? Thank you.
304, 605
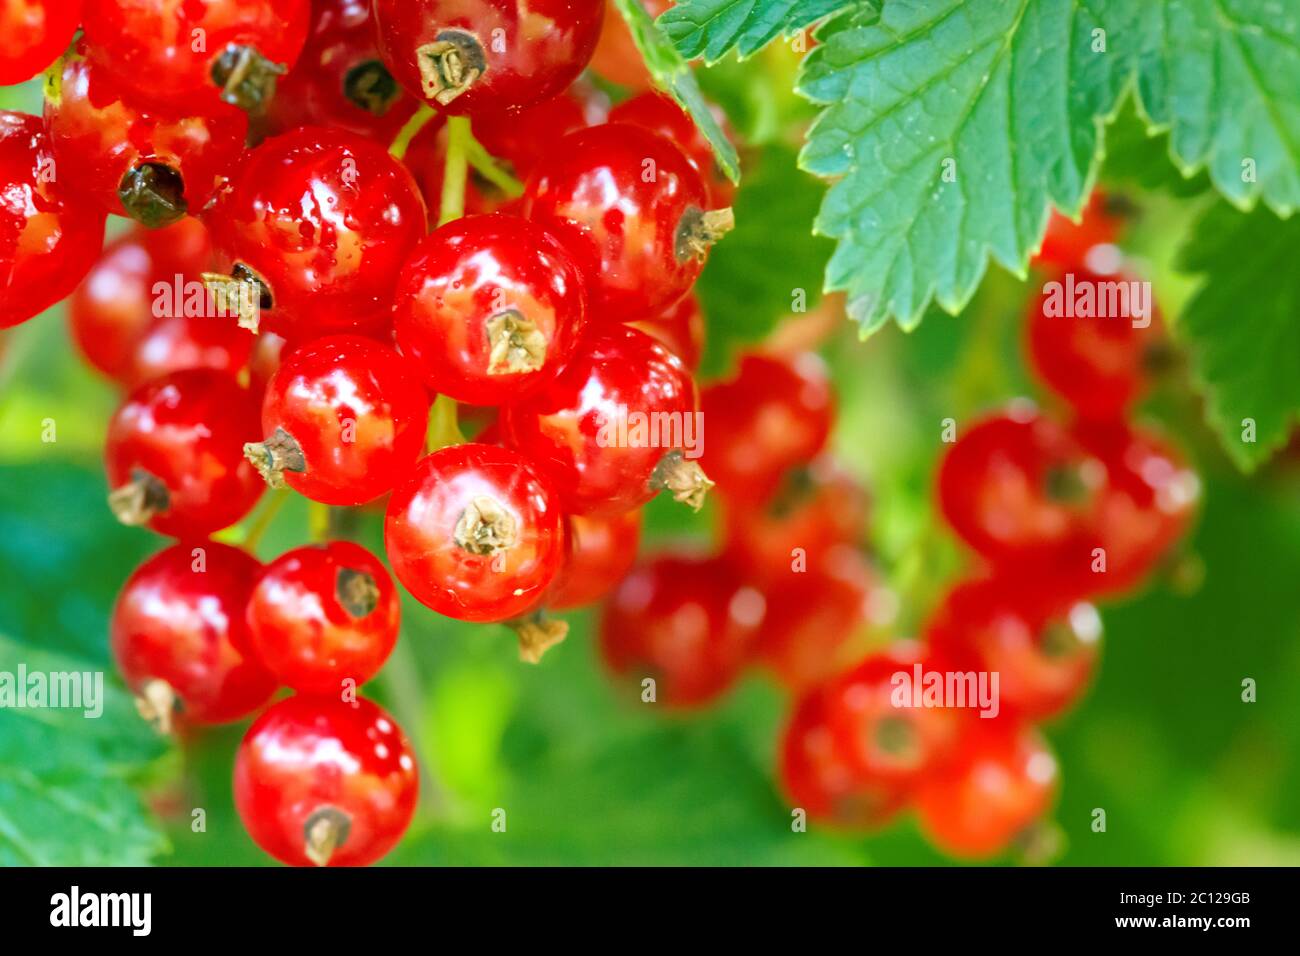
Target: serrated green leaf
674, 76
950, 126
713, 28
742, 302
1241, 327
65, 793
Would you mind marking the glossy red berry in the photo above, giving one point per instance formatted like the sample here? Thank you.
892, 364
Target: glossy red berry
490, 308
1066, 243
175, 454
775, 415
322, 615
48, 238
152, 164
818, 777
634, 212
1044, 649
661, 114
1001, 782
680, 329
32, 35
474, 534
340, 80
142, 311
180, 640
344, 420
601, 551
612, 430
199, 51
1099, 363
689, 624
326, 783
320, 221
490, 55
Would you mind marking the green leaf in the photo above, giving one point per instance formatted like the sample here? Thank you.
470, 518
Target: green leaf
65, 775
713, 28
950, 126
674, 75
1241, 327
741, 300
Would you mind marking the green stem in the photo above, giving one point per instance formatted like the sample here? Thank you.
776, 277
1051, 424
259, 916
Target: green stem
444, 424
264, 518
318, 521
417, 122
401, 681
456, 169
485, 165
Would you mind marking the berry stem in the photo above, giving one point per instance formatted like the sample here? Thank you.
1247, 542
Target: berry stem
486, 165
318, 521
444, 424
253, 536
456, 169
418, 121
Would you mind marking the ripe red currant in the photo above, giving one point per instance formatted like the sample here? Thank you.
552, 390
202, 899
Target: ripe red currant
1099, 364
175, 454
318, 222
689, 624
680, 329
489, 55
131, 319
489, 307
774, 415
340, 80
1002, 780
344, 418
634, 212
48, 240
601, 552
180, 640
661, 114
818, 777
152, 164
318, 781
32, 35
474, 534
1066, 243
195, 52
323, 614
1043, 648
610, 431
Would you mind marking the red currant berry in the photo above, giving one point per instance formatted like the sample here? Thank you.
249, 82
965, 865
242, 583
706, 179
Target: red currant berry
1022, 492
490, 55
195, 52
345, 419
601, 552
814, 616
340, 80
142, 312
48, 240
324, 614
817, 508
1066, 243
661, 114
610, 431
1043, 649
680, 329
32, 35
489, 307
319, 781
1099, 364
150, 164
640, 239
1002, 781
319, 223
873, 711
180, 640
175, 454
689, 624
817, 775
774, 415
474, 534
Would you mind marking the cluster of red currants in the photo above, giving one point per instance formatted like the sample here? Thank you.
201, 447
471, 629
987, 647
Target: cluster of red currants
284, 314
